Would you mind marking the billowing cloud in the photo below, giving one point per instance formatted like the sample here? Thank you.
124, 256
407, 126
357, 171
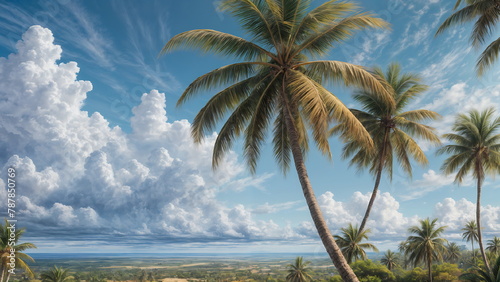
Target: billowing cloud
77, 172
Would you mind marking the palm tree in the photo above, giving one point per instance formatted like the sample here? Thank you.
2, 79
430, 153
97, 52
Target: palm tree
277, 85
402, 248
426, 245
5, 251
350, 243
390, 260
299, 272
391, 127
477, 151
470, 233
452, 252
485, 13
483, 274
494, 245
56, 274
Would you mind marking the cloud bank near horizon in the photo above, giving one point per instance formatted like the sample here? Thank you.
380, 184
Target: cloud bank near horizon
80, 179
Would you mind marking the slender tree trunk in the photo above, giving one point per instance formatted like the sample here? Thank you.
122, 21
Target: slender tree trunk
331, 246
372, 200
429, 268
3, 272
380, 167
478, 219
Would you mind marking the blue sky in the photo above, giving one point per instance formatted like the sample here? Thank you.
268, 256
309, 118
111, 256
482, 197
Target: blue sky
105, 161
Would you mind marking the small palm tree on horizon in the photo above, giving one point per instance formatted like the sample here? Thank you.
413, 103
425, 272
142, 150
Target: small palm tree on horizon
350, 243
426, 245
392, 128
452, 252
56, 274
299, 271
470, 233
390, 260
494, 245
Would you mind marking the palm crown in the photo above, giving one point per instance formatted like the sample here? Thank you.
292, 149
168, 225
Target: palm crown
276, 79
475, 150
391, 127
351, 244
426, 245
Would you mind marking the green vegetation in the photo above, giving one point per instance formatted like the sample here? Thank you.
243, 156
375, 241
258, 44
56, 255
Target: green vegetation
56, 274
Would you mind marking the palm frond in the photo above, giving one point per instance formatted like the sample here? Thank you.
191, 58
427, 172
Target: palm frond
488, 57
350, 75
321, 42
208, 40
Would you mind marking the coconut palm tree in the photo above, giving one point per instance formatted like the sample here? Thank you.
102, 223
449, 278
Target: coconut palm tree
299, 271
391, 126
494, 245
5, 251
425, 245
476, 150
485, 13
350, 243
470, 233
277, 85
56, 274
402, 248
452, 252
390, 260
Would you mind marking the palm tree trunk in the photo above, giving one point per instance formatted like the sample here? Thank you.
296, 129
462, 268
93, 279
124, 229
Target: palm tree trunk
3, 272
429, 268
372, 199
327, 239
478, 219
377, 180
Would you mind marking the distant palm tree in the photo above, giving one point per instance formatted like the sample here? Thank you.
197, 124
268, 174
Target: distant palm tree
452, 252
402, 248
486, 14
278, 86
494, 245
483, 274
299, 271
5, 251
391, 126
56, 274
426, 245
350, 243
470, 233
390, 260
476, 150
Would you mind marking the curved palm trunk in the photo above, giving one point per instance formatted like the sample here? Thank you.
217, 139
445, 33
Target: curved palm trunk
478, 219
327, 239
372, 199
377, 180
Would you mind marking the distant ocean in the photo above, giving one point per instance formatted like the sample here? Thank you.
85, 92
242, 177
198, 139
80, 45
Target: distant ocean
183, 255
